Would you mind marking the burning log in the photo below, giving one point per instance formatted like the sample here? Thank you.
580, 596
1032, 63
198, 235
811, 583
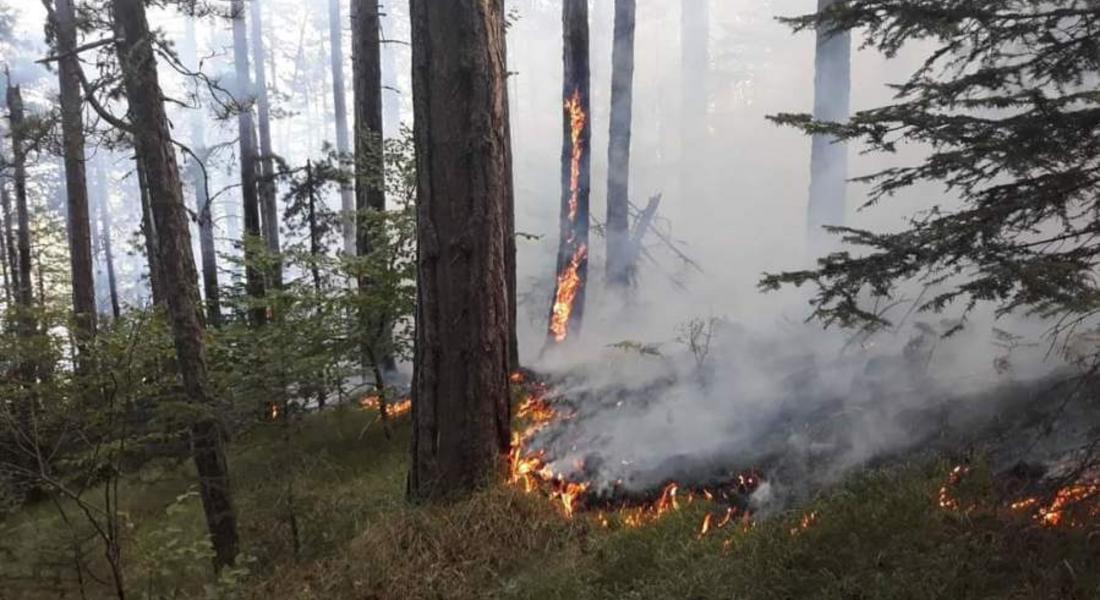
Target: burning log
567, 309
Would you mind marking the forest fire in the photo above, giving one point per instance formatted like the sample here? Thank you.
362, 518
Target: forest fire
1070, 505
565, 295
530, 470
395, 408
577, 121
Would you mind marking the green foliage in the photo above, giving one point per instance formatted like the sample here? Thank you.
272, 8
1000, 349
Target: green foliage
1006, 104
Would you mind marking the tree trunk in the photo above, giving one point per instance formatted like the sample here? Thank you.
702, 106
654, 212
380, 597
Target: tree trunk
152, 138
149, 231
268, 206
340, 106
619, 267
105, 236
250, 200
829, 158
9, 239
203, 209
510, 227
76, 186
694, 68
461, 413
391, 103
370, 183
25, 292
567, 311
4, 264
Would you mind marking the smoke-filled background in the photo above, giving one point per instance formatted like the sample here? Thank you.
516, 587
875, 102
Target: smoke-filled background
695, 366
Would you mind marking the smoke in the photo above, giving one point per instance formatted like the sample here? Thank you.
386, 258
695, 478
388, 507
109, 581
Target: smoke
768, 391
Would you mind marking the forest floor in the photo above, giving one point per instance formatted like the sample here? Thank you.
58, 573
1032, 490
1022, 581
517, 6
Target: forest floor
339, 482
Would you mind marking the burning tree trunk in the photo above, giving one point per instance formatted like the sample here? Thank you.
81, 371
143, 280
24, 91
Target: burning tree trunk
254, 282
619, 266
202, 199
829, 158
153, 141
694, 68
105, 235
340, 106
461, 413
76, 186
269, 208
572, 272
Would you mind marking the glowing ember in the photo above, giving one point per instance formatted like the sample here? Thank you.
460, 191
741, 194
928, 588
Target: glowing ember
808, 520
1065, 500
577, 122
393, 409
569, 283
946, 500
274, 411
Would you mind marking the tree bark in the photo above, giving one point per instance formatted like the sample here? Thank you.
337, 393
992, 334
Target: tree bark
203, 209
340, 106
105, 236
567, 310
391, 97
12, 251
269, 208
250, 200
829, 157
25, 291
694, 69
370, 183
149, 231
76, 185
461, 413
619, 266
153, 141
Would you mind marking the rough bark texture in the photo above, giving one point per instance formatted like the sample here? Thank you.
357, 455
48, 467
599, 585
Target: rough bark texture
246, 131
510, 227
178, 267
694, 69
829, 159
269, 208
461, 414
76, 185
203, 208
340, 106
576, 159
11, 250
619, 267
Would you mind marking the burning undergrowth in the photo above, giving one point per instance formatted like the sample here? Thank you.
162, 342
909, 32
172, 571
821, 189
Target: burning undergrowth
754, 427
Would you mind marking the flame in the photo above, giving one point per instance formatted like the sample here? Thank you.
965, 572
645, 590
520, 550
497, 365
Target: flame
946, 500
577, 122
1055, 512
569, 283
808, 520
274, 411
393, 409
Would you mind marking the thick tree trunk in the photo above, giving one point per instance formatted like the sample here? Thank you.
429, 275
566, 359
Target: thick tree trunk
510, 229
105, 236
829, 158
340, 106
152, 138
370, 184
461, 414
391, 98
269, 208
250, 200
619, 267
76, 186
149, 231
567, 310
694, 69
203, 209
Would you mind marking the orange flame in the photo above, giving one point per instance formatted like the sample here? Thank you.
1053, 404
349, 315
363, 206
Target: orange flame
947, 500
393, 409
577, 122
569, 283
1056, 512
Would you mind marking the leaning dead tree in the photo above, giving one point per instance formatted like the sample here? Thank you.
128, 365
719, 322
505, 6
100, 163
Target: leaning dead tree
567, 310
461, 409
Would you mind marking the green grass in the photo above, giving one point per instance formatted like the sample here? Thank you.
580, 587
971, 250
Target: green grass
878, 534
